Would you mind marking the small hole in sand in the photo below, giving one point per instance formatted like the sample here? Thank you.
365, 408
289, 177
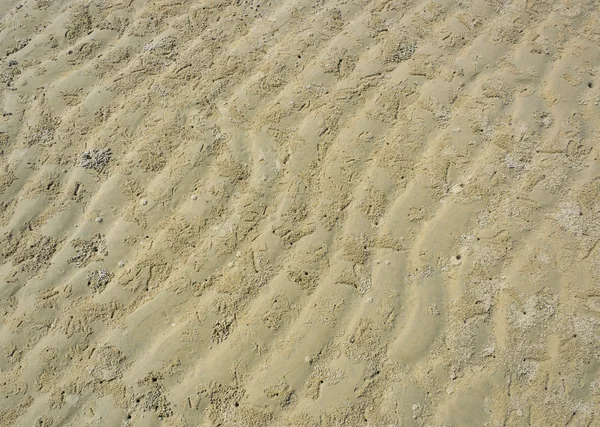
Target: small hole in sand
236, 404
590, 85
458, 257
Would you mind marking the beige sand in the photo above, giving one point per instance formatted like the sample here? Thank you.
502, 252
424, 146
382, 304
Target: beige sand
299, 213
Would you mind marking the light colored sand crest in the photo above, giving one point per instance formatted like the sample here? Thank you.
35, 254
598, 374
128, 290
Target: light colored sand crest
299, 213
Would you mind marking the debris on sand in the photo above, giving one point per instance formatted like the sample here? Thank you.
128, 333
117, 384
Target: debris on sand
87, 250
98, 279
96, 159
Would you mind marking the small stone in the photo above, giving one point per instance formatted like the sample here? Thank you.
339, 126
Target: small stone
308, 359
144, 202
98, 220
370, 300
194, 197
122, 263
72, 399
107, 374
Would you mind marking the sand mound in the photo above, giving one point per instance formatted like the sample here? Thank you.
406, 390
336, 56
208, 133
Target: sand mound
299, 213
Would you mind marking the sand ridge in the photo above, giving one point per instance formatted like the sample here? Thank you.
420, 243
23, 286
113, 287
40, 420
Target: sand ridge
299, 213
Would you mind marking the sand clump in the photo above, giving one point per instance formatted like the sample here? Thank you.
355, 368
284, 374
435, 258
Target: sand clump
96, 159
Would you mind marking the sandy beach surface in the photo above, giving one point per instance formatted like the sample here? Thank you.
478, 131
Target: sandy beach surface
299, 213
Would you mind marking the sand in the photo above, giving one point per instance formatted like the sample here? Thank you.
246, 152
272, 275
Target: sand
299, 213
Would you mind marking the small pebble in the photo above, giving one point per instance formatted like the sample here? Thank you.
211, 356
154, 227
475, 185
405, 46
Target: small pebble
144, 202
387, 263
308, 359
122, 263
98, 219
370, 300
194, 197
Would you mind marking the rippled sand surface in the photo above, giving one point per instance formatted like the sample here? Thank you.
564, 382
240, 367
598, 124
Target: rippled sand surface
299, 213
